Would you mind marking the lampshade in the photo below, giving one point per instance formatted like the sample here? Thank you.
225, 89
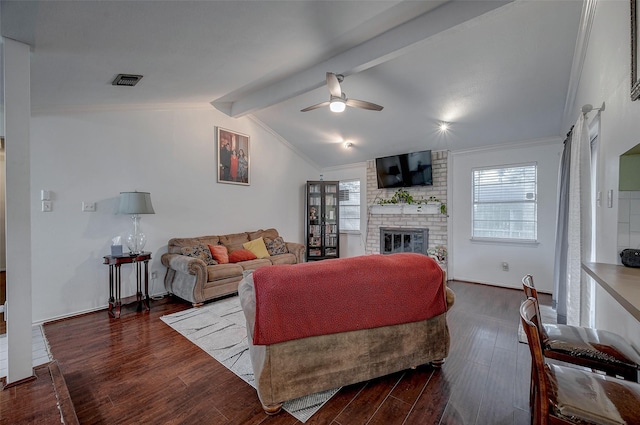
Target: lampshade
135, 203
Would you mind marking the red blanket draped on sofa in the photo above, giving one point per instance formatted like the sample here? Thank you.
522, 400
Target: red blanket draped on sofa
340, 295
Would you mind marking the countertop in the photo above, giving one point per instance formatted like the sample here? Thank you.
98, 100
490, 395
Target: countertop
622, 283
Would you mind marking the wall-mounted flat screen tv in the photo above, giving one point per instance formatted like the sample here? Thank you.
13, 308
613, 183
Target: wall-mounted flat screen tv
405, 170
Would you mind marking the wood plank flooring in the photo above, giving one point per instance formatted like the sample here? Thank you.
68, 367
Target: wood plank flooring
137, 370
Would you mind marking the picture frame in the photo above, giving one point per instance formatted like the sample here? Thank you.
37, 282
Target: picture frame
233, 157
635, 54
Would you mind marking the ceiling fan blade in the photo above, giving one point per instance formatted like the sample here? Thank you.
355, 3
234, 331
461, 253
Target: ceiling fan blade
363, 105
333, 84
311, 108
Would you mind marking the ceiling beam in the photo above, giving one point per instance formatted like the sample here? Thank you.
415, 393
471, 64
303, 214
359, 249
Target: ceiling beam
375, 51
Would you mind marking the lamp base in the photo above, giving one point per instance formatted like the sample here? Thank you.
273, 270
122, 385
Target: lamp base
136, 240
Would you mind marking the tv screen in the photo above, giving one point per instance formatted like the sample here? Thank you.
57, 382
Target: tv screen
405, 170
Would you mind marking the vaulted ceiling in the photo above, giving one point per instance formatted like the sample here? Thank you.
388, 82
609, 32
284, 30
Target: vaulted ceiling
497, 71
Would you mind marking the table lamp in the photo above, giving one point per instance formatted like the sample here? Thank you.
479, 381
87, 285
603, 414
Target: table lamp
136, 203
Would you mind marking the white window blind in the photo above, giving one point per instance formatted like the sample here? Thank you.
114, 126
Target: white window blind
350, 205
505, 203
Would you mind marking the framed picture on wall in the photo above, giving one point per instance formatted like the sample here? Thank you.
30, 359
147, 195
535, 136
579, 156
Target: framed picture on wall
233, 157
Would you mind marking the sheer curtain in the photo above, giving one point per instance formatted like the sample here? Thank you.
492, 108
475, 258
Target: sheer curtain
572, 283
560, 270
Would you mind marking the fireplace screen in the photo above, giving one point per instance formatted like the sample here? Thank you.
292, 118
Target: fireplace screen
404, 240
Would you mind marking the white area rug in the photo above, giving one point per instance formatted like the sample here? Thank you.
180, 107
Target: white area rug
219, 328
548, 316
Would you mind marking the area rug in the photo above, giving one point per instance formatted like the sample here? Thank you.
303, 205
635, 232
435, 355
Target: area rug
219, 328
548, 316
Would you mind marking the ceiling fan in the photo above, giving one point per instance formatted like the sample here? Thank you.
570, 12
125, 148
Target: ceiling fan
338, 100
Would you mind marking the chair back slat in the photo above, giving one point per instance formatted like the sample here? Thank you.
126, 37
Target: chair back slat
528, 286
531, 292
531, 323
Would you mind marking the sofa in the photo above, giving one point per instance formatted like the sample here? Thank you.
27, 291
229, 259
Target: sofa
321, 325
198, 271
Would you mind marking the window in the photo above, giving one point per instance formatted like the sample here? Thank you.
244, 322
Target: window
350, 205
505, 203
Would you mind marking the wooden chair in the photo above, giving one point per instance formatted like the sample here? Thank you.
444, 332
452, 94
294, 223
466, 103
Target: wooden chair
567, 395
592, 348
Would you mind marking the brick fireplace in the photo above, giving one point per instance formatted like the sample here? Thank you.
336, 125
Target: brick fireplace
408, 217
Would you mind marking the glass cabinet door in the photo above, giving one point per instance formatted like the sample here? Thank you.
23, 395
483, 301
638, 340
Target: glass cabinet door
331, 220
322, 220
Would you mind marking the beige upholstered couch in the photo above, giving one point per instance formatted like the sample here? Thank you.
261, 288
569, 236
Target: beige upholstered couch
293, 368
192, 279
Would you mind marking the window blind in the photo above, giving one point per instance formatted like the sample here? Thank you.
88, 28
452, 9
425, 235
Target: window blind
505, 203
350, 205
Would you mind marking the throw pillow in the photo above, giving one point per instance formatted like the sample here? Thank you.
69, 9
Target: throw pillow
219, 252
199, 251
241, 255
276, 246
258, 247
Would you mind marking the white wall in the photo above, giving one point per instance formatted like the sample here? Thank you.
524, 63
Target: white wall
482, 261
92, 156
352, 243
19, 264
606, 78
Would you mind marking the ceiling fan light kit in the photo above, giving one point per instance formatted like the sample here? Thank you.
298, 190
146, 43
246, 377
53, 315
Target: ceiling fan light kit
338, 100
337, 105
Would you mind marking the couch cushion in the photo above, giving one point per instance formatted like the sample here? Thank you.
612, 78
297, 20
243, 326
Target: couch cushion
254, 264
287, 258
219, 253
258, 247
208, 240
223, 271
199, 251
234, 241
269, 233
276, 246
175, 245
241, 255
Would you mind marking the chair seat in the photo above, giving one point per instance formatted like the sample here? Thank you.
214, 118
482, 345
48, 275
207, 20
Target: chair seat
588, 398
599, 349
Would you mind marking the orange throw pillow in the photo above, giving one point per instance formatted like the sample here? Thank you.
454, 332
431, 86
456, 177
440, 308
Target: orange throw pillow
219, 253
241, 255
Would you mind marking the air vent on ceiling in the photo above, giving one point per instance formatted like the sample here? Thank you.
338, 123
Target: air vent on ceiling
126, 80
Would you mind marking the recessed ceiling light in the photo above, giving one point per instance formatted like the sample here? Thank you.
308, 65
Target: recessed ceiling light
347, 145
444, 126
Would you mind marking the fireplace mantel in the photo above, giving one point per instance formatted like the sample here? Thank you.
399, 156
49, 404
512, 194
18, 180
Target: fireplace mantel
422, 209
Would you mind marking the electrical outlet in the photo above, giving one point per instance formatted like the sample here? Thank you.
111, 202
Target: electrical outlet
89, 207
505, 266
47, 206
154, 275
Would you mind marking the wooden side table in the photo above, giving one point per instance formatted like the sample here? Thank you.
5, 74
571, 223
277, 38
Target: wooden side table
115, 281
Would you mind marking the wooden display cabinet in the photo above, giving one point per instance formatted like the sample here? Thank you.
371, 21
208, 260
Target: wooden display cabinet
322, 220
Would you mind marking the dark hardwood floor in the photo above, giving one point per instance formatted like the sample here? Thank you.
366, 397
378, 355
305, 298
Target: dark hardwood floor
137, 370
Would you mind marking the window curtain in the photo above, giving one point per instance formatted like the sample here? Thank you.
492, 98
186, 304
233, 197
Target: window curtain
559, 299
576, 200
